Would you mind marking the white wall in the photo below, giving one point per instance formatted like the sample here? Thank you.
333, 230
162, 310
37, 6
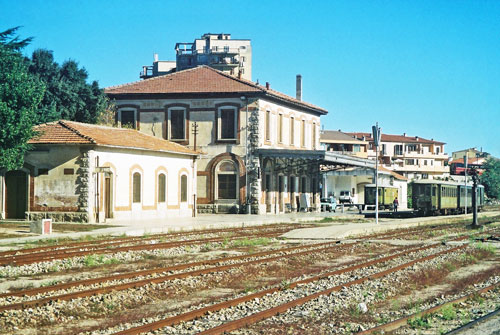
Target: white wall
123, 164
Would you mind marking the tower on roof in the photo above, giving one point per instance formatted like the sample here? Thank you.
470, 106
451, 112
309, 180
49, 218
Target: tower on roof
232, 56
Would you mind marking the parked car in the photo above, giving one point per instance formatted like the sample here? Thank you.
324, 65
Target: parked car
328, 204
346, 197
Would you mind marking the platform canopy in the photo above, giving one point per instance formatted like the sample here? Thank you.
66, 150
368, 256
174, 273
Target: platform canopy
327, 161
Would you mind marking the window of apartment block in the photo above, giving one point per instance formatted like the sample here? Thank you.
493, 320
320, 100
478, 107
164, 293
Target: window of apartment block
228, 124
280, 128
127, 119
437, 150
382, 151
410, 162
303, 133
398, 149
292, 131
177, 124
136, 187
161, 187
411, 147
356, 148
184, 188
268, 125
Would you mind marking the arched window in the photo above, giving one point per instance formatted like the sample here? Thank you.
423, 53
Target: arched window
161, 187
227, 181
184, 188
136, 188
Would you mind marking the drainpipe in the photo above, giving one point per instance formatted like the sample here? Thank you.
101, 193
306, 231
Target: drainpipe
97, 189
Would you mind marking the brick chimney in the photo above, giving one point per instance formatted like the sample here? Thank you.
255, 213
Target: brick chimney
298, 90
268, 86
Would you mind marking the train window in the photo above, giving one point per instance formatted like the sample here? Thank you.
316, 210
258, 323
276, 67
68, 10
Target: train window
427, 190
433, 191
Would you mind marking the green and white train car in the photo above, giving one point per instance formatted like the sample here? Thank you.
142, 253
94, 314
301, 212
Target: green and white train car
444, 197
386, 196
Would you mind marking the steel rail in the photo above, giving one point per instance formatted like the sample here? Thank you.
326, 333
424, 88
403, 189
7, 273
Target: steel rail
170, 321
474, 323
160, 279
62, 286
118, 240
254, 318
65, 253
390, 326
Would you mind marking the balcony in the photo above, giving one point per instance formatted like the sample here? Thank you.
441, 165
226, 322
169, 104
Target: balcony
422, 168
351, 153
225, 63
417, 154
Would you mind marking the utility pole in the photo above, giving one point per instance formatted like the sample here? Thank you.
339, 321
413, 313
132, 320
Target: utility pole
475, 181
195, 132
465, 171
376, 142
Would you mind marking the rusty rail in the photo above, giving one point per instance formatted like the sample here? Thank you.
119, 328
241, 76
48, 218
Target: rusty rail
200, 312
143, 282
403, 321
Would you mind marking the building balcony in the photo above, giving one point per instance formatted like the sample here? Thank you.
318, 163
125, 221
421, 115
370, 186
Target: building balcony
417, 155
225, 63
421, 168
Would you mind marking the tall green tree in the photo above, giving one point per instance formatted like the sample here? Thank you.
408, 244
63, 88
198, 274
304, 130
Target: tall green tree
491, 177
68, 94
20, 96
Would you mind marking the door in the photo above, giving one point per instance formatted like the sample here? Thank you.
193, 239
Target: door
16, 189
107, 197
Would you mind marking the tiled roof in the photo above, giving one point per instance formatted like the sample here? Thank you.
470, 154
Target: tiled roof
334, 135
478, 160
395, 174
202, 79
69, 132
396, 138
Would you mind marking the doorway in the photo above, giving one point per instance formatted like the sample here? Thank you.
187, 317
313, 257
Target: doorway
16, 194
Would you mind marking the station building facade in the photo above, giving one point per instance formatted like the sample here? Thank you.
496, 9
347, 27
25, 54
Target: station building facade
258, 147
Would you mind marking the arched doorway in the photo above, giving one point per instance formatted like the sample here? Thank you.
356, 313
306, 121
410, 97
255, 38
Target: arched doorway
227, 184
16, 194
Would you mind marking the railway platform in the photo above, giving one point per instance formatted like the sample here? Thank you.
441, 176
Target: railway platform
343, 225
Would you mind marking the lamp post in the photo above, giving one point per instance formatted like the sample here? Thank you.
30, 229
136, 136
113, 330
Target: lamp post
376, 142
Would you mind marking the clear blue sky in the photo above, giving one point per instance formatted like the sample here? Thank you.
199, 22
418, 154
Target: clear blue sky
427, 68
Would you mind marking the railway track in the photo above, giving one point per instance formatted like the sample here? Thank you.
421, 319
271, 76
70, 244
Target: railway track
131, 239
30, 258
391, 326
233, 325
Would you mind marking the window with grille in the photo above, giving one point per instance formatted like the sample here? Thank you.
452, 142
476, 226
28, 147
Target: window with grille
227, 181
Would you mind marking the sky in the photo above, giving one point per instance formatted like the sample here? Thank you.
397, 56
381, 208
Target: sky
425, 68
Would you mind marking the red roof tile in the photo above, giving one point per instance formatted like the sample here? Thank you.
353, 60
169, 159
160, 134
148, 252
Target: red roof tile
396, 138
202, 79
69, 132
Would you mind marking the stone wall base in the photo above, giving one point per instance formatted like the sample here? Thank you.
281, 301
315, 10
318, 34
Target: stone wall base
58, 216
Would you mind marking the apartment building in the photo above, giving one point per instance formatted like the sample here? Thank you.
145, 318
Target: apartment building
342, 143
411, 156
219, 51
258, 146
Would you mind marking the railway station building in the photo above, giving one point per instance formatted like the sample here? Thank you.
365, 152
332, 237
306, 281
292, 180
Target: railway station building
259, 148
87, 173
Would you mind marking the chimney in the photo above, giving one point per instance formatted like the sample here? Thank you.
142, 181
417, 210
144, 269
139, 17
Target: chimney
298, 90
404, 134
268, 86
155, 57
416, 138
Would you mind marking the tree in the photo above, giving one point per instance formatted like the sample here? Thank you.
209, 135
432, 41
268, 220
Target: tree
491, 177
68, 94
20, 95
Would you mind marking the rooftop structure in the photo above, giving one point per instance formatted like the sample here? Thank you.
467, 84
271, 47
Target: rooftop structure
232, 56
